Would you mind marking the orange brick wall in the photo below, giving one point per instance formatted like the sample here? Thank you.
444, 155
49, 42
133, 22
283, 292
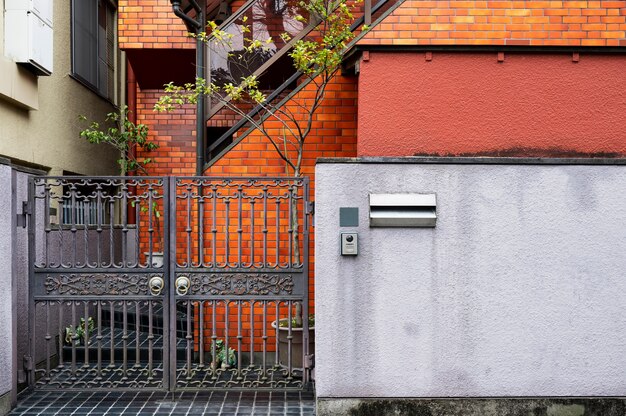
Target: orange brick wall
174, 132
333, 135
150, 24
532, 22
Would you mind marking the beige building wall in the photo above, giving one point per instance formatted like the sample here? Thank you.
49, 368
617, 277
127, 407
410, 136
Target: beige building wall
39, 122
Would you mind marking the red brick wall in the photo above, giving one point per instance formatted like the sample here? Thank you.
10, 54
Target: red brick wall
528, 105
532, 22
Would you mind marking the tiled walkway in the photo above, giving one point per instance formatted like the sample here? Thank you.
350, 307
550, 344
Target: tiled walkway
147, 403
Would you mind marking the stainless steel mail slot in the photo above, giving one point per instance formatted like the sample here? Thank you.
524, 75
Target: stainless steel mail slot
403, 210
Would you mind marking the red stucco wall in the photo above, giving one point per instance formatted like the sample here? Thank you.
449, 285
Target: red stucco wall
462, 103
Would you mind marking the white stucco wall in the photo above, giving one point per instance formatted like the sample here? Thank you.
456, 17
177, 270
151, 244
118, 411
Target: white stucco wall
39, 116
520, 290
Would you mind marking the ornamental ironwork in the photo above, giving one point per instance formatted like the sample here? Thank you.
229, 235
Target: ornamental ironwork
97, 284
242, 284
111, 307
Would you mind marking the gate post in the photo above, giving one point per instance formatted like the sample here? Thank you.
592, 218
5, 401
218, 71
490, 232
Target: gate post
31, 221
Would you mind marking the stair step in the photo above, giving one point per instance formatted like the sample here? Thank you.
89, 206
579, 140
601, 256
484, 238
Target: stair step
143, 319
116, 348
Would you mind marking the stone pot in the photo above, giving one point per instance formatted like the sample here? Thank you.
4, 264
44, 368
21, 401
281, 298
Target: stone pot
296, 345
157, 259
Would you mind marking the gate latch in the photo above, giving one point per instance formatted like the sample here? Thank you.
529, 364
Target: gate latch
28, 363
22, 219
28, 366
309, 361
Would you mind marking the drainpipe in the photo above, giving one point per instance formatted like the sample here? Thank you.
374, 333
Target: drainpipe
131, 103
196, 26
200, 122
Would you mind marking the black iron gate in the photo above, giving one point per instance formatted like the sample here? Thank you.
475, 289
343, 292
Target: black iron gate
169, 283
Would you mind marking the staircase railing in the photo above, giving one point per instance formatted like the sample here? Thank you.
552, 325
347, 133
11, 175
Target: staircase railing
370, 14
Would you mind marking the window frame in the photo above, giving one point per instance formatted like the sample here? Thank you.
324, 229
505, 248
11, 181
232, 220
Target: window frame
78, 77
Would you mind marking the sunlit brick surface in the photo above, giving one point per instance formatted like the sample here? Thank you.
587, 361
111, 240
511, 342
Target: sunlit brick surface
533, 22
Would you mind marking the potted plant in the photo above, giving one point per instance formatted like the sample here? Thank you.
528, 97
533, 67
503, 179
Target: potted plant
77, 335
282, 333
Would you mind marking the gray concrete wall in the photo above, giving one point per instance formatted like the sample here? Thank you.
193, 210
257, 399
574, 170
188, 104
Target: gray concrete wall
21, 270
518, 291
7, 334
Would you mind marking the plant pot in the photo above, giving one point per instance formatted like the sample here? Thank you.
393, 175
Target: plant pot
157, 259
296, 345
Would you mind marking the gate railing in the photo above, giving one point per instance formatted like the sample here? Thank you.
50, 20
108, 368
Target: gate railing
168, 283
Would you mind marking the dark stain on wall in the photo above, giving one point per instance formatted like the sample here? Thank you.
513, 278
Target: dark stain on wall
552, 152
483, 407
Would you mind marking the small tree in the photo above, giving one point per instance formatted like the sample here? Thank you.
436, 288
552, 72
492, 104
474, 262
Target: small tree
125, 137
318, 59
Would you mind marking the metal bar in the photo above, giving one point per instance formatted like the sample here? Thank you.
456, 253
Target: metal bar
151, 341
85, 241
188, 228
189, 341
86, 334
99, 341
169, 301
290, 226
150, 212
124, 225
201, 334
252, 241
137, 233
99, 220
239, 341
117, 270
277, 358
48, 340
227, 232
213, 338
226, 332
264, 338
124, 339
137, 333
112, 334
367, 12
289, 338
277, 232
47, 228
214, 226
73, 228
74, 339
239, 223
252, 302
111, 236
201, 226
265, 229
32, 223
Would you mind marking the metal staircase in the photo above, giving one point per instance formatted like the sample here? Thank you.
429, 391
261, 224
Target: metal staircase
273, 68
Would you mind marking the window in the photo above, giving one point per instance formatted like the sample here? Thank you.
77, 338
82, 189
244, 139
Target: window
88, 202
93, 44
